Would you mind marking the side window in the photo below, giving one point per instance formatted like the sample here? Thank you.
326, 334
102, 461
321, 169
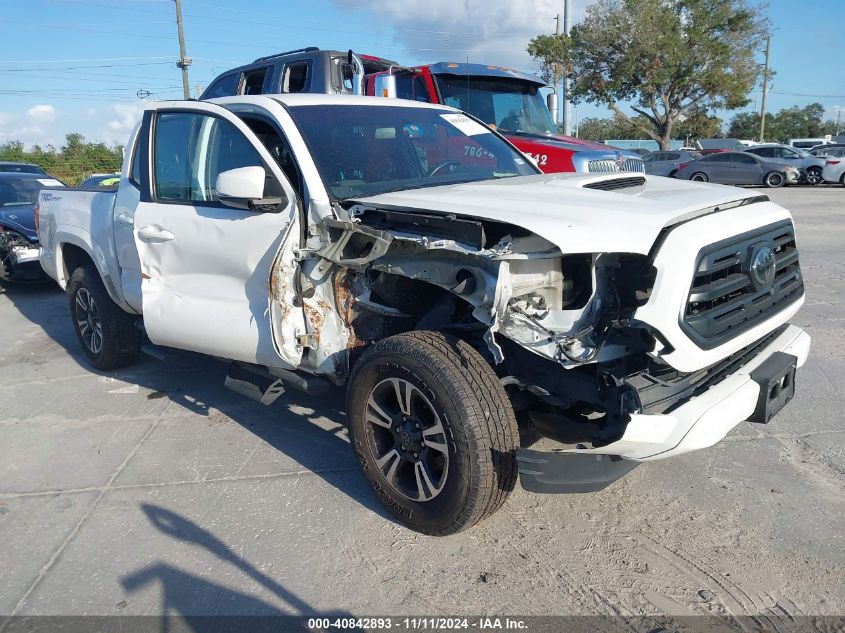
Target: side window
765, 152
135, 171
404, 86
740, 158
253, 82
279, 149
191, 149
296, 77
421, 90
225, 86
673, 156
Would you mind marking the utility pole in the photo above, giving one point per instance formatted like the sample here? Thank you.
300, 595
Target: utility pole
838, 117
567, 106
556, 79
184, 60
765, 91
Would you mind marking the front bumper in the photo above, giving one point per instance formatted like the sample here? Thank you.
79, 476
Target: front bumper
701, 421
21, 263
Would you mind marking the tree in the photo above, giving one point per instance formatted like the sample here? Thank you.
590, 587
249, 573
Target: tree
74, 161
666, 57
596, 129
698, 123
794, 122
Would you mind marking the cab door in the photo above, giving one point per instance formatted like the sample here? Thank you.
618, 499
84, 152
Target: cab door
215, 279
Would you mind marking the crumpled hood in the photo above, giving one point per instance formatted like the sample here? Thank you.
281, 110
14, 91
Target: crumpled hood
577, 220
20, 218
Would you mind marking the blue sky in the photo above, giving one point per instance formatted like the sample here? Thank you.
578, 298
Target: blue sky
76, 65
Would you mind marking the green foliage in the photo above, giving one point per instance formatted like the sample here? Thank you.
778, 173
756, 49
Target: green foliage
74, 161
596, 129
669, 58
794, 122
698, 124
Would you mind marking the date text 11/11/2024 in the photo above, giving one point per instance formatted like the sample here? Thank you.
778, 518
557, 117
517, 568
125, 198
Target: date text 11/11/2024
418, 624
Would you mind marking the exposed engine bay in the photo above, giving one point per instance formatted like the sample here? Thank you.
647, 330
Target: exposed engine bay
557, 328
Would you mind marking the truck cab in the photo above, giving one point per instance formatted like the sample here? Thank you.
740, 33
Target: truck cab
510, 102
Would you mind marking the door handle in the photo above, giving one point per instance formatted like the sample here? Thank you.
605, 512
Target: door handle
154, 234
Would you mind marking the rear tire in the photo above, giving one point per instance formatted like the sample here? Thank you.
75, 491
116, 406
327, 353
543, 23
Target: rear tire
107, 334
699, 177
842, 180
774, 179
433, 430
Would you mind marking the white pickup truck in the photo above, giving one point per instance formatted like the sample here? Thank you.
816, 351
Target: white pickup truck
411, 253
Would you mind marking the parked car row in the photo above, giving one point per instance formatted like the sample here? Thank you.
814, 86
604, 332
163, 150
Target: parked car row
771, 164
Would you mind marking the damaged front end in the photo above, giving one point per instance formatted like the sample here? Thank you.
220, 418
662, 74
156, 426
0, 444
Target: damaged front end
19, 257
556, 327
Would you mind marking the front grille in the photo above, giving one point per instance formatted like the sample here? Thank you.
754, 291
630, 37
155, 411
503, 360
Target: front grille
724, 300
609, 165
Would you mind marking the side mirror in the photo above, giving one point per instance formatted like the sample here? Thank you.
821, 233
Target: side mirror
552, 105
357, 72
243, 188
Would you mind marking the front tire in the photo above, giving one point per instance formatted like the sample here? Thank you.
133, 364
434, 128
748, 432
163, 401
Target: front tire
814, 176
774, 179
433, 430
107, 334
699, 177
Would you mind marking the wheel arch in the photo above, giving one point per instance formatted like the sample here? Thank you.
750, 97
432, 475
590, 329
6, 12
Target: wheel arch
74, 253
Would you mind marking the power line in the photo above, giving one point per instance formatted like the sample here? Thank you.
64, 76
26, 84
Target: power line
89, 59
48, 70
798, 94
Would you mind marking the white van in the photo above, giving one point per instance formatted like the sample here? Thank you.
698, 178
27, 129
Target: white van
807, 143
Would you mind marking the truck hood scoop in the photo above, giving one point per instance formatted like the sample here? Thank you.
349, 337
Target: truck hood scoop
610, 184
579, 213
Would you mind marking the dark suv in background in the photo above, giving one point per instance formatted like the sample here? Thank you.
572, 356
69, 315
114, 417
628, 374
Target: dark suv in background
300, 70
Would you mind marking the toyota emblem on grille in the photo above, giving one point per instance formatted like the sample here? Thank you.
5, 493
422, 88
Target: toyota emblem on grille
620, 161
763, 267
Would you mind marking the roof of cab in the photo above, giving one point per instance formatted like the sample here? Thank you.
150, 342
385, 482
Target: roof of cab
481, 70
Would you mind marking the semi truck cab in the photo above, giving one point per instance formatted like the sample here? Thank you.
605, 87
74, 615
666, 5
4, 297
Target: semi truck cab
509, 101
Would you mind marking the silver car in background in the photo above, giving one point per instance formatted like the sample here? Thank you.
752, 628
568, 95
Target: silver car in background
827, 151
809, 165
739, 168
667, 163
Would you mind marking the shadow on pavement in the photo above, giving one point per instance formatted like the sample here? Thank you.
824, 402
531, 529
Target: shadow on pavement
204, 605
309, 430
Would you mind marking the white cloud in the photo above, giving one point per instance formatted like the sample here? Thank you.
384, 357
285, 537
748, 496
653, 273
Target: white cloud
41, 114
485, 31
45, 124
123, 117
